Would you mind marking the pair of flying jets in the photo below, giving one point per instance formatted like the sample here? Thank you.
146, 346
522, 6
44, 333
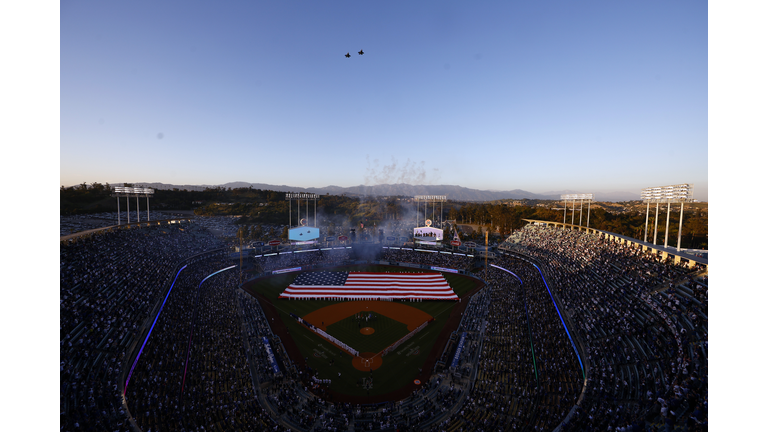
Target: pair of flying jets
359, 52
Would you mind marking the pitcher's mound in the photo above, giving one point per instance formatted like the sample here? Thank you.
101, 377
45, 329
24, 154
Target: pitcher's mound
367, 330
365, 363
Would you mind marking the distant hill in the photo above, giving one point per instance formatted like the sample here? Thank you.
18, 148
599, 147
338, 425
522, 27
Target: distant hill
453, 192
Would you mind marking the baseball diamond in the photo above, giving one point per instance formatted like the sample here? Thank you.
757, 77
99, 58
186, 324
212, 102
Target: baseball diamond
394, 374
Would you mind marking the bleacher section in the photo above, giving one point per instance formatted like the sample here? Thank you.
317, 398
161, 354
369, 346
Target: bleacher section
634, 355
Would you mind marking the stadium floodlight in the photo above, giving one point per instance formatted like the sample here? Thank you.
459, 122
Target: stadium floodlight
574, 197
577, 196
430, 198
128, 192
673, 194
300, 195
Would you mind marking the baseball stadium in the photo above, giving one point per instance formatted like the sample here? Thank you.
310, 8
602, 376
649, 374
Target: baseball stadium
411, 216
560, 327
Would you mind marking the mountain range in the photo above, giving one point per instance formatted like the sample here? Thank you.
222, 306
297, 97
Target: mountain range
452, 192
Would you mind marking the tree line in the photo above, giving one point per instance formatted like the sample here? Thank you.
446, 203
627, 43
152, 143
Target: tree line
503, 219
256, 207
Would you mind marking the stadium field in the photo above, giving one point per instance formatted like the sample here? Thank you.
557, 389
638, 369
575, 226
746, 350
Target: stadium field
398, 369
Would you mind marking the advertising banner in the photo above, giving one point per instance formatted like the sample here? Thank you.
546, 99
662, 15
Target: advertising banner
442, 269
459, 348
288, 270
270, 355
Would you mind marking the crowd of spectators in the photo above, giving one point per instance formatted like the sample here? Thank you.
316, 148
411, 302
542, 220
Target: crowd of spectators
256, 327
71, 224
222, 226
428, 257
109, 284
527, 374
472, 325
640, 325
643, 325
194, 370
306, 259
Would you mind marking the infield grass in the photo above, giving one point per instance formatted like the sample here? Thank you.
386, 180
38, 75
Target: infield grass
386, 332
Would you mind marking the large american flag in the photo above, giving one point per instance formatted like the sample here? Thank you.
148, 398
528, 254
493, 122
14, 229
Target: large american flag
362, 285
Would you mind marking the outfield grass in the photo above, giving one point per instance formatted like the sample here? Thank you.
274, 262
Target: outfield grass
399, 368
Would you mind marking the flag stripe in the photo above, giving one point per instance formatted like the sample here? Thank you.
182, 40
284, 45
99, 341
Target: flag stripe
370, 285
365, 294
367, 291
363, 288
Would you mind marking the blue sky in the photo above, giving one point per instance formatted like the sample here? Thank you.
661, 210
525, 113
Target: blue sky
587, 96
86, 91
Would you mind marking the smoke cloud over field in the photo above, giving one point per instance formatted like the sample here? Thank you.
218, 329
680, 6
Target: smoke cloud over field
409, 173
391, 209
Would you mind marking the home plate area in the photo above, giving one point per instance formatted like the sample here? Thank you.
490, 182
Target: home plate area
367, 361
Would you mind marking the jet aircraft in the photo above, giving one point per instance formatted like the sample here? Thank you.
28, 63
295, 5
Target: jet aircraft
347, 56
361, 52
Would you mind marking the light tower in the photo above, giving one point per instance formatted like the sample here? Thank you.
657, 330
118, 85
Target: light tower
128, 192
290, 196
430, 199
574, 197
302, 233
674, 194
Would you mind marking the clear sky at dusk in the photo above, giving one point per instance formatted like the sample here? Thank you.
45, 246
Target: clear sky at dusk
535, 95
538, 95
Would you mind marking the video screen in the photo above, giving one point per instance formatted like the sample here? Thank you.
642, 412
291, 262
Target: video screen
428, 234
303, 233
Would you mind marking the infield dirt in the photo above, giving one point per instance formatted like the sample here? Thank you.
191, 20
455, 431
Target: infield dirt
407, 315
